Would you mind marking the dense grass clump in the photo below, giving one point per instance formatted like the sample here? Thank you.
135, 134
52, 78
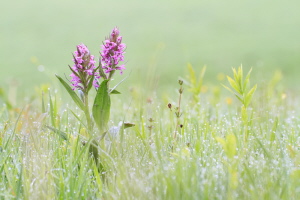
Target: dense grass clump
209, 158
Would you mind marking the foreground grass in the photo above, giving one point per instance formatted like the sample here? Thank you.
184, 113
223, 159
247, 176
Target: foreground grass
209, 159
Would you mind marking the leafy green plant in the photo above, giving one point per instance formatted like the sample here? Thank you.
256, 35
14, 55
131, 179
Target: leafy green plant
240, 87
195, 83
85, 75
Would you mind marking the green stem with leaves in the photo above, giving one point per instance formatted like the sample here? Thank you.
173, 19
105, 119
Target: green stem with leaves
177, 112
241, 89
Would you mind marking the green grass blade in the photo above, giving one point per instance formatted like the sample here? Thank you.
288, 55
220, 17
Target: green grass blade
51, 111
76, 116
63, 135
73, 95
43, 103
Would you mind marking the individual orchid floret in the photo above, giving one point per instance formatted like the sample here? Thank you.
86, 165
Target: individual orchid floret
112, 53
83, 70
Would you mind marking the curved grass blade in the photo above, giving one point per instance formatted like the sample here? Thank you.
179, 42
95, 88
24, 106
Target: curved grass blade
74, 96
63, 135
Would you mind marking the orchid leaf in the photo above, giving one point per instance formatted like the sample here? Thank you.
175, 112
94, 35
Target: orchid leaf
101, 107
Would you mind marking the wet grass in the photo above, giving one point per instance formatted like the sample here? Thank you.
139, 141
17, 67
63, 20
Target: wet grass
209, 158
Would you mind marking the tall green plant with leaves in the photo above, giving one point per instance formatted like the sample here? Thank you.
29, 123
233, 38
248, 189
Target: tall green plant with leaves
240, 87
195, 83
85, 75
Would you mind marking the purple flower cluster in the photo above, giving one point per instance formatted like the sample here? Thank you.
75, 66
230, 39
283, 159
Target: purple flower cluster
83, 69
113, 52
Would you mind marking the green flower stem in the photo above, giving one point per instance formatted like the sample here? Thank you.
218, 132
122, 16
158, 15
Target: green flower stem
87, 113
111, 74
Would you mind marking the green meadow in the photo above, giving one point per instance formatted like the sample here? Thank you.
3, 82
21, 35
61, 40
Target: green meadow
187, 124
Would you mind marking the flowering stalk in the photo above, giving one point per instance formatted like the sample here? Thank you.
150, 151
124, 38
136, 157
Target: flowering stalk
178, 111
84, 76
112, 54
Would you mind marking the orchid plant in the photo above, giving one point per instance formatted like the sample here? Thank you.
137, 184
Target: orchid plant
85, 76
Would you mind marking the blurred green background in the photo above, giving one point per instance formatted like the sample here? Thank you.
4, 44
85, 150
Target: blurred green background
38, 37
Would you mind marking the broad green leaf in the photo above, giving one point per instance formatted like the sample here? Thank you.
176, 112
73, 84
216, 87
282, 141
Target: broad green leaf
101, 107
249, 96
74, 96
